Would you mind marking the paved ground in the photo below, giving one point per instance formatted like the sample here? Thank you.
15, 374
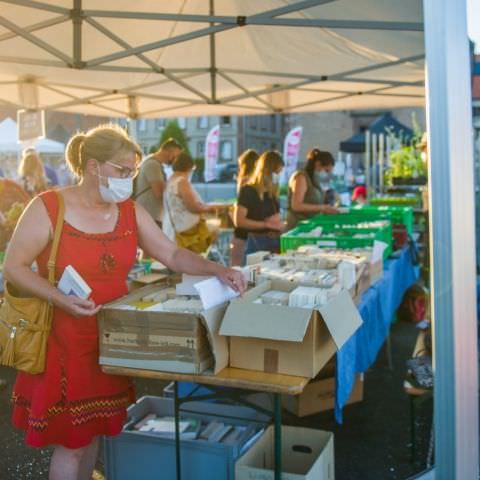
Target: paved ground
372, 444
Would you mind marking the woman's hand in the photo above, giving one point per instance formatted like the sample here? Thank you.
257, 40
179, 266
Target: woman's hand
78, 307
329, 210
234, 279
274, 223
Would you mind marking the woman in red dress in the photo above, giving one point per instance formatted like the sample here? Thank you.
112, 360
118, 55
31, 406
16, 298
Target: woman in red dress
73, 401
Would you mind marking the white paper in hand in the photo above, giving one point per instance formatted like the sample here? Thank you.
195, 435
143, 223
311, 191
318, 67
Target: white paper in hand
213, 292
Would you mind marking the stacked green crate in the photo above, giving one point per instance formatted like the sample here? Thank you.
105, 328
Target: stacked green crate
397, 214
396, 201
336, 236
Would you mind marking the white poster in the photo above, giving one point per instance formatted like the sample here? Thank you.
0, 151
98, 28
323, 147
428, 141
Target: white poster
291, 149
212, 144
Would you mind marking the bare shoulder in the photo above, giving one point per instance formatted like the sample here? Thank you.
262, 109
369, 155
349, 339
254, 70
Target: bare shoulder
298, 179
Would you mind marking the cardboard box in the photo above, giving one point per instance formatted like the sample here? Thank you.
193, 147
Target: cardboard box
291, 341
319, 396
164, 341
306, 455
376, 271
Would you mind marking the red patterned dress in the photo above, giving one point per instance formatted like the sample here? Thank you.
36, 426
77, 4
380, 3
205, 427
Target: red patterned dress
73, 401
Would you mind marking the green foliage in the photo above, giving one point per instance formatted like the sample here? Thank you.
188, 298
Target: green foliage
172, 130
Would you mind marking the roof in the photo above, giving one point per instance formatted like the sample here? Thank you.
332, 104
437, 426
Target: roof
162, 59
9, 140
383, 124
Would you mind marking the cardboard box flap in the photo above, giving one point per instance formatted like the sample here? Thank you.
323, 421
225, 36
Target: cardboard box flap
341, 317
212, 319
246, 319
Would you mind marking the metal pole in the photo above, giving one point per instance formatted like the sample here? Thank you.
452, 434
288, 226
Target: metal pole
367, 162
213, 62
178, 461
381, 154
277, 431
452, 239
374, 163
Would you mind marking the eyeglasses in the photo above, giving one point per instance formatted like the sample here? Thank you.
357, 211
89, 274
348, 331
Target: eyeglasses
125, 172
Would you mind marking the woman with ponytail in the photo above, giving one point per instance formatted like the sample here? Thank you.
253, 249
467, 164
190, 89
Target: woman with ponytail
72, 403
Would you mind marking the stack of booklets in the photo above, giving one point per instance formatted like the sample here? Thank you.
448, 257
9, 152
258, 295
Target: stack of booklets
193, 428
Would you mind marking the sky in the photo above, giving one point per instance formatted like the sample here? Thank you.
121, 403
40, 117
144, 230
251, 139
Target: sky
473, 18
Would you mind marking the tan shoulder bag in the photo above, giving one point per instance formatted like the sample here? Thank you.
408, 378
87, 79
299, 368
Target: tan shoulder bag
25, 322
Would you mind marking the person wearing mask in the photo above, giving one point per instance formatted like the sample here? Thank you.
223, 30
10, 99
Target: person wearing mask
151, 180
32, 173
183, 208
246, 166
257, 212
73, 402
309, 190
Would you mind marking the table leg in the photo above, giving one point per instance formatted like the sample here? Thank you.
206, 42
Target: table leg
277, 429
177, 430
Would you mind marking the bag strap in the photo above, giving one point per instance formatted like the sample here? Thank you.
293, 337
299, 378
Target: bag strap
56, 238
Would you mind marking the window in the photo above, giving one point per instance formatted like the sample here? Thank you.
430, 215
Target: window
142, 125
226, 121
182, 122
159, 123
273, 123
252, 122
226, 153
200, 149
476, 111
202, 122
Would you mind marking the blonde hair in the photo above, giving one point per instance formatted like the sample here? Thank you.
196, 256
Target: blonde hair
101, 143
246, 165
32, 169
261, 178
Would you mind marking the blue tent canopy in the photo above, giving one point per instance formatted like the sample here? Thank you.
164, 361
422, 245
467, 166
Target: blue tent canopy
383, 124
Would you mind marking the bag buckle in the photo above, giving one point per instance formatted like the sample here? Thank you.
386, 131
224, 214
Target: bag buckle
13, 333
22, 323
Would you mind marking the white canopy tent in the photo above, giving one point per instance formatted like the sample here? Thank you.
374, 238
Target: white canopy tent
9, 141
193, 57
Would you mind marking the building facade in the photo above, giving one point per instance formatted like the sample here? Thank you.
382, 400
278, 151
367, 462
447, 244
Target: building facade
237, 133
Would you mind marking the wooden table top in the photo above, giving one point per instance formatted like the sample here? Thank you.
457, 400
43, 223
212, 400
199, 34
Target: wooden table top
228, 377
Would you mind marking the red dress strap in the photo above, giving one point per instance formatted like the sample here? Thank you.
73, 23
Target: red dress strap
50, 200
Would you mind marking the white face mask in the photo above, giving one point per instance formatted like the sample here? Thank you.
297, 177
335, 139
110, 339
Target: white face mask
117, 190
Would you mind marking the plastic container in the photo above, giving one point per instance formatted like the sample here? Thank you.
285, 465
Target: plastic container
147, 456
397, 214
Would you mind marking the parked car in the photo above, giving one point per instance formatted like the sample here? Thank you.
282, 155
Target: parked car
226, 172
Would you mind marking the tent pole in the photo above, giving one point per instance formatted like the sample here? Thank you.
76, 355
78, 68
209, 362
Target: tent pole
367, 162
213, 60
452, 239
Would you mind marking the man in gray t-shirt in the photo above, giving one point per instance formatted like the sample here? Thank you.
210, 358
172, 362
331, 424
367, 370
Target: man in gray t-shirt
151, 179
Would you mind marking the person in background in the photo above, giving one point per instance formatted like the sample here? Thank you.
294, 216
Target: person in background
32, 173
183, 208
150, 183
246, 166
50, 172
73, 402
359, 195
257, 212
309, 190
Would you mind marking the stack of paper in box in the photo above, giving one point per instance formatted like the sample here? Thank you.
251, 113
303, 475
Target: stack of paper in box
155, 328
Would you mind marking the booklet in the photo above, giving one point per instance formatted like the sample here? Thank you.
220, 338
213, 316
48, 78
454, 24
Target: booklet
72, 283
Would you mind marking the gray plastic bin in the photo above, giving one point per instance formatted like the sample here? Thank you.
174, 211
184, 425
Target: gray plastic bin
134, 455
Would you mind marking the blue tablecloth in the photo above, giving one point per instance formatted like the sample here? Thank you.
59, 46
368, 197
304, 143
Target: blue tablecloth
377, 309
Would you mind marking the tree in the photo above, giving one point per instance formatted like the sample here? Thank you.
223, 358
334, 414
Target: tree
172, 130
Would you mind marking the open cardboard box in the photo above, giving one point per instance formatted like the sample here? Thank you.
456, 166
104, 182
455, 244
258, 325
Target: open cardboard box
163, 341
307, 454
291, 341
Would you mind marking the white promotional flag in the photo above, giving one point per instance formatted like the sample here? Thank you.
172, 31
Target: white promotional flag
291, 149
212, 144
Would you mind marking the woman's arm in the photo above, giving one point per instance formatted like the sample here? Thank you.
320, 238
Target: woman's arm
241, 220
298, 186
155, 244
190, 199
34, 231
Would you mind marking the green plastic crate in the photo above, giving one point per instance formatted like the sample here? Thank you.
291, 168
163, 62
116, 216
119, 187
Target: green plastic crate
293, 239
396, 201
397, 215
